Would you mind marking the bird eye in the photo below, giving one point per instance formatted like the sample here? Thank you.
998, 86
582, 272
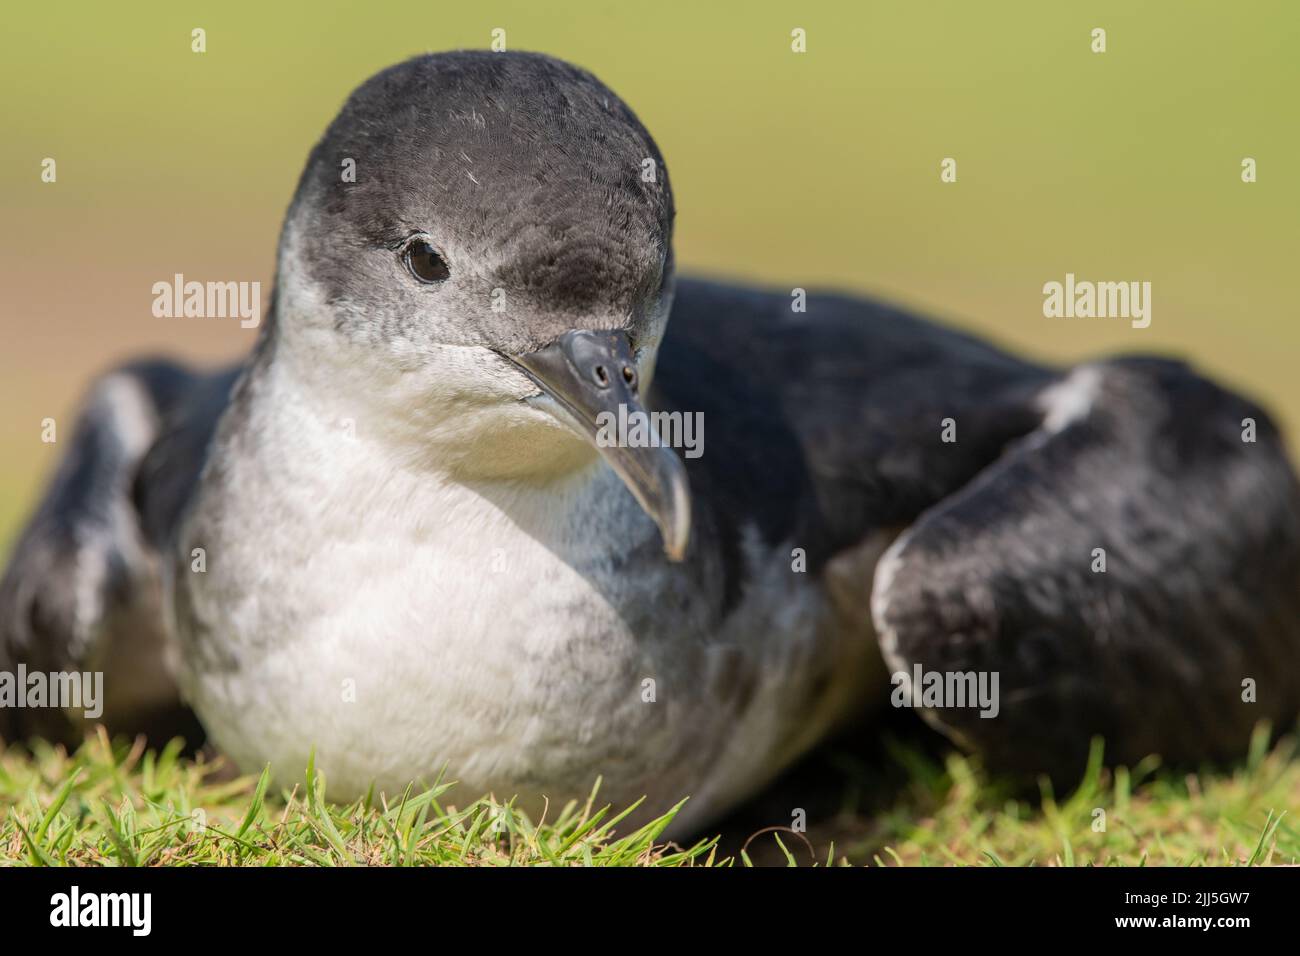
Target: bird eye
425, 263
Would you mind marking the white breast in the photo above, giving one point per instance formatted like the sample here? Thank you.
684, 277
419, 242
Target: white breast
527, 640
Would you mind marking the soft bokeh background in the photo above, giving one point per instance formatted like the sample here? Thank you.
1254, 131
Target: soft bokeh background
818, 169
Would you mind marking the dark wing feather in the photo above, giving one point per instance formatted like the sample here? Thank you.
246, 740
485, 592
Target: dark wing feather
1200, 593
81, 590
168, 475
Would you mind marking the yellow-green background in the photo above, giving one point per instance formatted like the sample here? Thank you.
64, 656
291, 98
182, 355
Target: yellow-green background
813, 170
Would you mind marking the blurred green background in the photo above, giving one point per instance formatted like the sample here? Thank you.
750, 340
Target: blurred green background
820, 169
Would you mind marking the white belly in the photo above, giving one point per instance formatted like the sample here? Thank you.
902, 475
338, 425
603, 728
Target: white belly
398, 648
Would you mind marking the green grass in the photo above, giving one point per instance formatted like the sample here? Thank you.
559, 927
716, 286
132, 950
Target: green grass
1247, 815
111, 804
120, 804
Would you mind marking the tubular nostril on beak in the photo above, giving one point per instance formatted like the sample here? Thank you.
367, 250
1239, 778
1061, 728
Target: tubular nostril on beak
600, 374
592, 358
602, 377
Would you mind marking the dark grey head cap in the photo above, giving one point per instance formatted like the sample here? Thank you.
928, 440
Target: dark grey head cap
532, 178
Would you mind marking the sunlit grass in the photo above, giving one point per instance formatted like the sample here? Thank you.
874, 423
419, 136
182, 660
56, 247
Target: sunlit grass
1144, 816
120, 804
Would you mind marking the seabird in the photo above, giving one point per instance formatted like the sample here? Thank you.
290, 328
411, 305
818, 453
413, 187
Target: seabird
391, 537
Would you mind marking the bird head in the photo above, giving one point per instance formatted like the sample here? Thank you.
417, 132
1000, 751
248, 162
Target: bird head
481, 247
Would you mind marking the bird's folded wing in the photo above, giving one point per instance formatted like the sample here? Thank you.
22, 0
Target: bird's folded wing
1130, 569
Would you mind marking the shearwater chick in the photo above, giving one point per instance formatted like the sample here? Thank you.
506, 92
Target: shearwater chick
399, 536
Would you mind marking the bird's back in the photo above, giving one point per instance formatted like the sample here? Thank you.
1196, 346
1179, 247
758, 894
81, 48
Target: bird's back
823, 424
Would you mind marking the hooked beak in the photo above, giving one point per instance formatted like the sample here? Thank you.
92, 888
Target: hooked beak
590, 375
